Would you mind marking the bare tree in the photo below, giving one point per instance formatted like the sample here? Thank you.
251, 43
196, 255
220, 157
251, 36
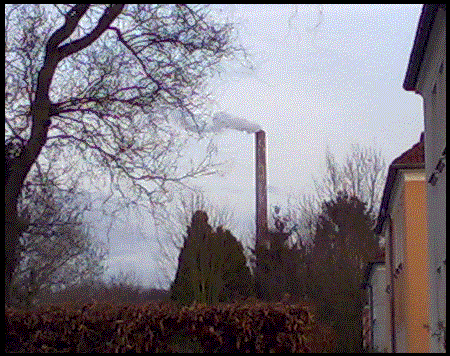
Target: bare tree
117, 289
362, 175
93, 86
57, 249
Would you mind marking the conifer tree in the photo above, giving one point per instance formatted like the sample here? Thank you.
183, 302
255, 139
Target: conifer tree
344, 242
211, 265
272, 269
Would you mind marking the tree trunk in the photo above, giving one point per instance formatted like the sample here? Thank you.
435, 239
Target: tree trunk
19, 167
12, 254
17, 171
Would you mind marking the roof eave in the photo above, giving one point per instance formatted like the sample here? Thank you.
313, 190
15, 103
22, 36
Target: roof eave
424, 28
368, 271
392, 174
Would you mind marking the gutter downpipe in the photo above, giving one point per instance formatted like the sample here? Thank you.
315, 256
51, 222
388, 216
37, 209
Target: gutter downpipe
368, 285
372, 323
391, 273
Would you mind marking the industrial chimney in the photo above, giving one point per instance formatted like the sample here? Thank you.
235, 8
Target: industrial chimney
261, 188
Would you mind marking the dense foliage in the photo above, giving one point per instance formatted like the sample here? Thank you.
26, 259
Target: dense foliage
344, 243
211, 265
327, 271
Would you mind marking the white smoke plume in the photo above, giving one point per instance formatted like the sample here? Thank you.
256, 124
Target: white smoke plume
220, 121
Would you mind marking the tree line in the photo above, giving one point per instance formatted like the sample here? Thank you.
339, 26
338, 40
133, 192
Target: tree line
319, 259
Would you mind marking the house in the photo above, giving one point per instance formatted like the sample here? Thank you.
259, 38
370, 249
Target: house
402, 222
426, 76
374, 314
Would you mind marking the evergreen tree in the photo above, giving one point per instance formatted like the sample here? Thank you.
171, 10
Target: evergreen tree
236, 274
274, 268
344, 242
281, 268
211, 265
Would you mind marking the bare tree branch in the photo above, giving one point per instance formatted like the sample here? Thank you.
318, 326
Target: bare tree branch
108, 17
97, 97
72, 17
57, 250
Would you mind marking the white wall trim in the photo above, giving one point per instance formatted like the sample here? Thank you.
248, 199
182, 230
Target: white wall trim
414, 175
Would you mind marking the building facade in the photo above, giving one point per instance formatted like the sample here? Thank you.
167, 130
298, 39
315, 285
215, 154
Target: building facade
403, 224
426, 76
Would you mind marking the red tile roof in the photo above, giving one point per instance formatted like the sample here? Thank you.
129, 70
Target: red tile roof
412, 158
415, 155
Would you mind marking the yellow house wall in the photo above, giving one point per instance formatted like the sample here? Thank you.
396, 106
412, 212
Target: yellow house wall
410, 249
399, 281
401, 324
415, 284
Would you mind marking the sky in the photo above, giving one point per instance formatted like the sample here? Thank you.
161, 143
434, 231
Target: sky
323, 76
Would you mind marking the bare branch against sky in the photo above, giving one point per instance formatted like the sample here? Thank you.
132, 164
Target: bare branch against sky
96, 84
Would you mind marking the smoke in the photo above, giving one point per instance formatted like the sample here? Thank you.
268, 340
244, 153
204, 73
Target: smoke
220, 121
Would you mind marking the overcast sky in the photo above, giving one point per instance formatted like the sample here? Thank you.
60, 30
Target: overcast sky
328, 75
